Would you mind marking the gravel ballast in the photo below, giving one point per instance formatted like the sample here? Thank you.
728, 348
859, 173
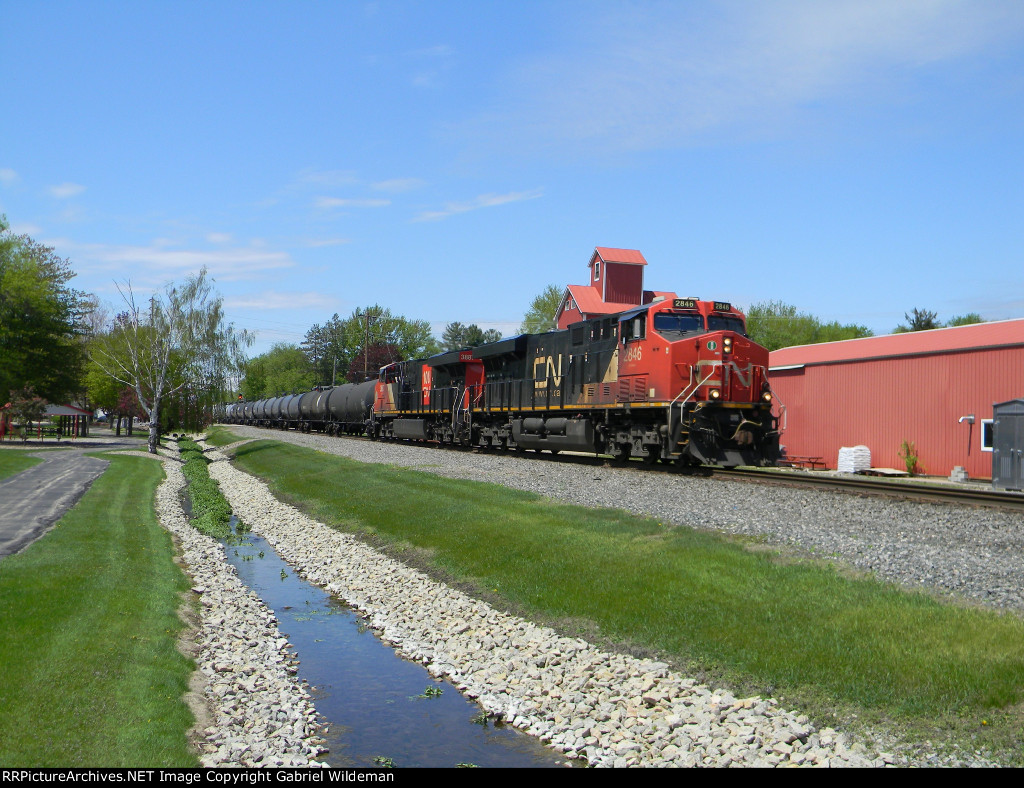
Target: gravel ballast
603, 708
608, 709
974, 552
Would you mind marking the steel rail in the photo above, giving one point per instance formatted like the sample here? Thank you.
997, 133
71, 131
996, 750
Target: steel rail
859, 485
849, 485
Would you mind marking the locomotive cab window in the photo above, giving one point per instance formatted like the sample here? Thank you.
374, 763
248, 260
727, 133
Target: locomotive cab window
674, 324
726, 323
633, 328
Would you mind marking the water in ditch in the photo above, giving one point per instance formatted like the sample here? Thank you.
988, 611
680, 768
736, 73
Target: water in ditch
381, 709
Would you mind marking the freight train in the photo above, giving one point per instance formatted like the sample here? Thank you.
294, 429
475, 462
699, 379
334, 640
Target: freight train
676, 380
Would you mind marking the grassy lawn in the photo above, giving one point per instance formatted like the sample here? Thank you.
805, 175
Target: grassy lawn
221, 436
91, 675
765, 623
12, 462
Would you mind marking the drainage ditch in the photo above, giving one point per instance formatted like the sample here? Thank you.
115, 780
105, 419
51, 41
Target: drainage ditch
380, 709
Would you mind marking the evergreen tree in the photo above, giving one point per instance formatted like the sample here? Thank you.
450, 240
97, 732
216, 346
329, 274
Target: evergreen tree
918, 320
457, 336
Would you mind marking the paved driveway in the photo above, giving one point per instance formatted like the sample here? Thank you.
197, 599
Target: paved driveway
33, 500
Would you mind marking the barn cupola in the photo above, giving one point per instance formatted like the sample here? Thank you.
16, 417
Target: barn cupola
618, 275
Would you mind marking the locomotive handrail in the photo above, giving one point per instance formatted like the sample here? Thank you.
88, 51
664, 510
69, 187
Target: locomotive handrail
700, 383
680, 394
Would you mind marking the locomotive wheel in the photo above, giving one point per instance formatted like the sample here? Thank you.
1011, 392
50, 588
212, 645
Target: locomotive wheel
620, 452
651, 458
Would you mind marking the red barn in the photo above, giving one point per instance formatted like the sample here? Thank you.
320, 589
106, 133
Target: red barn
616, 284
919, 387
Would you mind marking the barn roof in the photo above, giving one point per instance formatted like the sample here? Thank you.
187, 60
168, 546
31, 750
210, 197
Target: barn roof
611, 255
588, 300
1003, 333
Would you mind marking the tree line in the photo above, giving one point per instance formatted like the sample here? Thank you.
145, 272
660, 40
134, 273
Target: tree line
351, 350
169, 356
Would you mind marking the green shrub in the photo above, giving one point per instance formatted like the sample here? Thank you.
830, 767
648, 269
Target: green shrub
909, 454
211, 513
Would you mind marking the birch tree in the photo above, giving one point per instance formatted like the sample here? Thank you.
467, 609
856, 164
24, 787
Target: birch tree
177, 341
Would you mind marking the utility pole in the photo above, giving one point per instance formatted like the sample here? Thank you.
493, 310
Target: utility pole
366, 342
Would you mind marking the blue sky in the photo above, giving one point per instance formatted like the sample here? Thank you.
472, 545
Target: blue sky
448, 160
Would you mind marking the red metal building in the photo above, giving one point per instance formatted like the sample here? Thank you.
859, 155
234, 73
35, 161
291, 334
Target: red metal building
918, 387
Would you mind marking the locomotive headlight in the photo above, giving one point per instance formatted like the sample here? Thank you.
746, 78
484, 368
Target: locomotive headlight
727, 344
715, 394
767, 396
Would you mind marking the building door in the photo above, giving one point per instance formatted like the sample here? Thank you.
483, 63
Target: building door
1008, 445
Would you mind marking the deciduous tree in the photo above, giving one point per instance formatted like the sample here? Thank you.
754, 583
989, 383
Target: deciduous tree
345, 339
965, 320
540, 316
26, 407
177, 342
774, 325
40, 320
284, 369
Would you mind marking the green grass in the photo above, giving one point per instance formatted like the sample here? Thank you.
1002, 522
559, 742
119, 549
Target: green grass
220, 436
91, 675
211, 513
12, 462
766, 623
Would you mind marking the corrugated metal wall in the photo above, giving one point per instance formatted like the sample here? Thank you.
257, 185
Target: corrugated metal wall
883, 402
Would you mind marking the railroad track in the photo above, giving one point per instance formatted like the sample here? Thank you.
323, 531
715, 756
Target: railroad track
859, 485
850, 485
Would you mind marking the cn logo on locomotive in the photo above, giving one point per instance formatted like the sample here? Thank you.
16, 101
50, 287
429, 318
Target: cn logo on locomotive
549, 371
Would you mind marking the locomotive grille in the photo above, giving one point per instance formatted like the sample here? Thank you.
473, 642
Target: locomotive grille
640, 389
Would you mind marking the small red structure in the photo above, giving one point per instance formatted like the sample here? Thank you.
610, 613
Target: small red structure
616, 284
935, 389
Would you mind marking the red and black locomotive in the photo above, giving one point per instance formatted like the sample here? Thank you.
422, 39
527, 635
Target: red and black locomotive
675, 380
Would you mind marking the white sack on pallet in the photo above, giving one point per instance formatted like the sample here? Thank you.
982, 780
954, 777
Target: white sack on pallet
854, 460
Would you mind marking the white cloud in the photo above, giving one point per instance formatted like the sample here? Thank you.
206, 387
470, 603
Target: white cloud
218, 238
26, 229
8, 176
398, 185
65, 190
275, 299
440, 50
655, 75
161, 260
317, 243
321, 178
483, 201
338, 202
